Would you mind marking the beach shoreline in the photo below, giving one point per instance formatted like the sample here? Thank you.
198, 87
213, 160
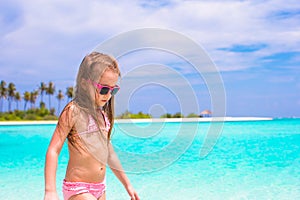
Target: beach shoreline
204, 119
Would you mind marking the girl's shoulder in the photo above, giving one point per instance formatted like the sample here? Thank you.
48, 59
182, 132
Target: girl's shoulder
70, 111
68, 117
72, 107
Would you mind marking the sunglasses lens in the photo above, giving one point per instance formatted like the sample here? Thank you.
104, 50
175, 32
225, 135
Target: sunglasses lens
104, 90
114, 91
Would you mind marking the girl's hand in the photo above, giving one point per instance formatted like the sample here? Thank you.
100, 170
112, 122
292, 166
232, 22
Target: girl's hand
51, 196
132, 193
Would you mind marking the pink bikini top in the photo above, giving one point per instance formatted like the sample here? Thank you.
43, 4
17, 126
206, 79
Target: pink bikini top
92, 126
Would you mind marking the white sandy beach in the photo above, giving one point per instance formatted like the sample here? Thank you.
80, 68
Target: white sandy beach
206, 119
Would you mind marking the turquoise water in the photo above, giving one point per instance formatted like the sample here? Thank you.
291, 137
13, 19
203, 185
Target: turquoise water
251, 160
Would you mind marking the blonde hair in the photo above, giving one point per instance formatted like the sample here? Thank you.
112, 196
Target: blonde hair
92, 68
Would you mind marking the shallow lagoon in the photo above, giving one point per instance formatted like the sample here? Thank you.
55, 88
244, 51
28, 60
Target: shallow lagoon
251, 160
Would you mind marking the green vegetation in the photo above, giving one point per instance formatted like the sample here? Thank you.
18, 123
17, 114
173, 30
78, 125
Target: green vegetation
129, 115
179, 115
192, 115
141, 115
10, 94
30, 114
176, 115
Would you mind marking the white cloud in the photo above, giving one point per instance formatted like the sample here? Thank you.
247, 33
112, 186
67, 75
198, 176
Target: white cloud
215, 24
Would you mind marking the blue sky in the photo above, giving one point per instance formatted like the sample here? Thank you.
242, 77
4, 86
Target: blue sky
254, 44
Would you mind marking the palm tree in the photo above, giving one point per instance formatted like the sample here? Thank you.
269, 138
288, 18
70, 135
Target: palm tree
33, 97
42, 89
11, 94
26, 98
69, 93
18, 98
59, 96
50, 91
3, 93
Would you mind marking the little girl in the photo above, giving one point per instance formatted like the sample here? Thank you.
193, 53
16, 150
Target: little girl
87, 123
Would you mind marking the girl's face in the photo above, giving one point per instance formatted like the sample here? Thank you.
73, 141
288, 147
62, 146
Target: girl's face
109, 78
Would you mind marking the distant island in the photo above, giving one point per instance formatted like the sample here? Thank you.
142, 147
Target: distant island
30, 111
43, 114
10, 94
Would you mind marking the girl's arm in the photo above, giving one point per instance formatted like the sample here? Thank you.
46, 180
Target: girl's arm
51, 166
61, 132
116, 167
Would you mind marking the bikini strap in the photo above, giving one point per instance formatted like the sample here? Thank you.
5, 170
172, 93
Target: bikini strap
107, 123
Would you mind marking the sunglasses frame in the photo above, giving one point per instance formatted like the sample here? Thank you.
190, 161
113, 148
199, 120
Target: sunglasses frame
111, 89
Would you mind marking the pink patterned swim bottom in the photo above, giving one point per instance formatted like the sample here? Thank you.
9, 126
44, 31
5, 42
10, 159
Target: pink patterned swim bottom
73, 188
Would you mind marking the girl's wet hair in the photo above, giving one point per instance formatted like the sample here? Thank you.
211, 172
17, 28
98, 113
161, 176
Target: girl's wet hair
91, 69
76, 117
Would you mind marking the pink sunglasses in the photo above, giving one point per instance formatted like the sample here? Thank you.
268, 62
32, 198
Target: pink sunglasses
103, 89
